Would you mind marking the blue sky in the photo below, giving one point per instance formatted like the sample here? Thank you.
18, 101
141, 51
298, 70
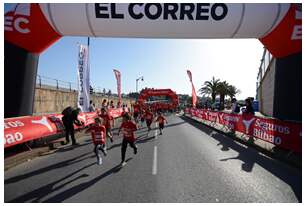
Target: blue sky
162, 62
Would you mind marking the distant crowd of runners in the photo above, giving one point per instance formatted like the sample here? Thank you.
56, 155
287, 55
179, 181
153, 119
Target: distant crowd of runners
101, 130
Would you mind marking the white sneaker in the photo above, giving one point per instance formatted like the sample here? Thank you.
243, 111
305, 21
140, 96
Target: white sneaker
99, 161
104, 152
123, 163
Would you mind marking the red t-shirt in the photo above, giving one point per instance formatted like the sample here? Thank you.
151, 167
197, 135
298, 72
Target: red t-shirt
98, 134
149, 116
106, 120
128, 129
161, 119
136, 110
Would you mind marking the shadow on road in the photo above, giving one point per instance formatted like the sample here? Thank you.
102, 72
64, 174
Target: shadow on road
65, 163
39, 193
144, 140
83, 186
72, 147
249, 156
114, 146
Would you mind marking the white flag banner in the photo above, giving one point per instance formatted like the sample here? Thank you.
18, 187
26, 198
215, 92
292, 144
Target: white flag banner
118, 78
83, 78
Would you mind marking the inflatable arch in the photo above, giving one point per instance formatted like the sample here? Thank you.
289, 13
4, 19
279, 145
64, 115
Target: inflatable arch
31, 28
146, 93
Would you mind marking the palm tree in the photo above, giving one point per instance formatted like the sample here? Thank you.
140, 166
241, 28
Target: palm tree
232, 91
210, 87
222, 90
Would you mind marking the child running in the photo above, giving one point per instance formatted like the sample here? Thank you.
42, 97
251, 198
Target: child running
98, 135
161, 122
107, 119
128, 127
142, 117
149, 118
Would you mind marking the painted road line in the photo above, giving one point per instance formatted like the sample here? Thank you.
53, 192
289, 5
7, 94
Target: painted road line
154, 167
156, 136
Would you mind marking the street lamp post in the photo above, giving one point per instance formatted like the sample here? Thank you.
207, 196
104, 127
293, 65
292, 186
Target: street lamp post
140, 78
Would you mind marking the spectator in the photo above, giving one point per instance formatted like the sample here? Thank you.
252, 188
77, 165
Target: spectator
91, 107
249, 108
235, 107
70, 117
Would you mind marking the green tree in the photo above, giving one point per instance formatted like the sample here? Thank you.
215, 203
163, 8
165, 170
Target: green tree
223, 91
210, 87
232, 91
133, 95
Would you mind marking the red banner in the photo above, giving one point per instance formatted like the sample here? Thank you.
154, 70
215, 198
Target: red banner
284, 134
118, 78
22, 129
194, 94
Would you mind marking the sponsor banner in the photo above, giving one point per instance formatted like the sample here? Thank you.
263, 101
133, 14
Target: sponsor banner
83, 78
118, 78
22, 129
19, 130
283, 134
117, 112
194, 94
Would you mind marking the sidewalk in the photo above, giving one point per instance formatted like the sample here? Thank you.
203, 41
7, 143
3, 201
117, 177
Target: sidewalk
262, 146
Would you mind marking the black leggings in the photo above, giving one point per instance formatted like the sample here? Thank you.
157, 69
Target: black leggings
124, 146
98, 147
69, 130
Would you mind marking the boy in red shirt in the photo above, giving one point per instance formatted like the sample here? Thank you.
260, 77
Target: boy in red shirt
107, 119
128, 127
142, 117
161, 122
98, 135
149, 118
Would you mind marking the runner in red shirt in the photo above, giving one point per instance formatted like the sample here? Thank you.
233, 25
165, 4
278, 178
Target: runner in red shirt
149, 119
142, 117
107, 119
161, 122
136, 113
128, 127
98, 135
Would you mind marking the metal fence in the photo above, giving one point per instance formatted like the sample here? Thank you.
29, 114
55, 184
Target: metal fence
56, 84
43, 82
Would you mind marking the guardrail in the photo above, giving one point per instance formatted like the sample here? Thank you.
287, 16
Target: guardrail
56, 84
23, 129
286, 135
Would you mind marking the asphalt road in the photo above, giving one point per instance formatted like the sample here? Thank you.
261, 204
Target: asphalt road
188, 163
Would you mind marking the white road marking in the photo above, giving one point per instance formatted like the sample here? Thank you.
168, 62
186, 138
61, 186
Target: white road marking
154, 168
156, 137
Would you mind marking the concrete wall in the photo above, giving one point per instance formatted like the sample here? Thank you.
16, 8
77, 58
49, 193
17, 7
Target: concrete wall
51, 100
266, 91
